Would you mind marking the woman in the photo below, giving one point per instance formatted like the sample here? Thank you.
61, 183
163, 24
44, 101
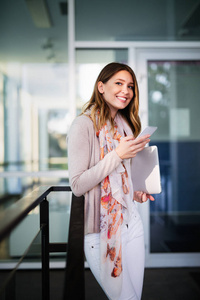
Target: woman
101, 145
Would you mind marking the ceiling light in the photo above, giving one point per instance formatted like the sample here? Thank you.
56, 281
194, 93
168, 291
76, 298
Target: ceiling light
39, 12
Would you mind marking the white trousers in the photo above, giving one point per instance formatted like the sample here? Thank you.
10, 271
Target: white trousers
132, 238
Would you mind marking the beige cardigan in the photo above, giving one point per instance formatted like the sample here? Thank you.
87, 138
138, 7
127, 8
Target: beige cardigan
86, 170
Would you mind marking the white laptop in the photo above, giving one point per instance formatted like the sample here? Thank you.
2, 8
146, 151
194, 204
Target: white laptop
146, 171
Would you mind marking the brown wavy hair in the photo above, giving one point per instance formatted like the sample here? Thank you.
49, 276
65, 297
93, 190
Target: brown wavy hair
97, 103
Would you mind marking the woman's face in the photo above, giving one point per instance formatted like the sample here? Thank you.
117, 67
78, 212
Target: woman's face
117, 91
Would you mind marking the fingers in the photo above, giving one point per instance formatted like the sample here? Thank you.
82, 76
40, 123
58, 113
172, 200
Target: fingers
129, 147
141, 146
137, 147
141, 197
150, 197
144, 197
139, 143
142, 139
137, 140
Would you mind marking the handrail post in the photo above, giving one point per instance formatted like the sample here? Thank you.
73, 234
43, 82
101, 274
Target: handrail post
44, 225
74, 285
10, 292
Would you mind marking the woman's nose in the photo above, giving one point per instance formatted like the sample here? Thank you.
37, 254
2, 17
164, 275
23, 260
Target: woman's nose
125, 89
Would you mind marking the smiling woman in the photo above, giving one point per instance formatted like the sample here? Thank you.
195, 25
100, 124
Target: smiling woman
101, 145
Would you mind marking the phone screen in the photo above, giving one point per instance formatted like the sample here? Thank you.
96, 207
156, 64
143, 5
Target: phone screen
148, 130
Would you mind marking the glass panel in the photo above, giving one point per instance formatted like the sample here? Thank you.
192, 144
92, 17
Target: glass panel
88, 65
1, 120
156, 20
59, 217
35, 115
33, 86
14, 246
12, 249
59, 214
173, 91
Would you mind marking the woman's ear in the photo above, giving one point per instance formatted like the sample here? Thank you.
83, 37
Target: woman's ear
100, 87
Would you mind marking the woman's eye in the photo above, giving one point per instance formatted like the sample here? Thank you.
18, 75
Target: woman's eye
131, 87
119, 83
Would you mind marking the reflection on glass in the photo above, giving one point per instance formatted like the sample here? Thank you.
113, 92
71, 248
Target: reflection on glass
173, 91
1, 120
88, 65
140, 20
34, 112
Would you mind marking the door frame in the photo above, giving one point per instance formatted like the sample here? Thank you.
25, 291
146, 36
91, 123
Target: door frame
142, 57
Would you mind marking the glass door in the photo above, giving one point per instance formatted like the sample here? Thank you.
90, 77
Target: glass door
171, 83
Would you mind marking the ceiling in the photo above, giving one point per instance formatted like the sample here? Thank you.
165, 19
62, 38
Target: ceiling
22, 41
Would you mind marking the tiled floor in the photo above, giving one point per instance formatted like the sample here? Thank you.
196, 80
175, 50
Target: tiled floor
172, 284
159, 284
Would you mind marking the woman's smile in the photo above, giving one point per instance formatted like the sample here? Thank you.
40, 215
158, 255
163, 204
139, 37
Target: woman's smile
123, 99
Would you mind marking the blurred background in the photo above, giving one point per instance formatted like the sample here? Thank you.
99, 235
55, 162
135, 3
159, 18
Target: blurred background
51, 52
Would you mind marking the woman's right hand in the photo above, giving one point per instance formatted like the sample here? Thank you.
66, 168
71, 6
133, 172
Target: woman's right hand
129, 146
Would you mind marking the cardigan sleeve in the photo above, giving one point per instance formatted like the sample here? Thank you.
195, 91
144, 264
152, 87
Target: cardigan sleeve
83, 177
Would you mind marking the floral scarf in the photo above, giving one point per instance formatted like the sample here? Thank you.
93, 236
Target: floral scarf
116, 198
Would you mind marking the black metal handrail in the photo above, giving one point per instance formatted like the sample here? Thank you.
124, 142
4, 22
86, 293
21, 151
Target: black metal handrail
12, 216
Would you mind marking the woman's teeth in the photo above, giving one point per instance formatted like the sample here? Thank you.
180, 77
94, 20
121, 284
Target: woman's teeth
122, 98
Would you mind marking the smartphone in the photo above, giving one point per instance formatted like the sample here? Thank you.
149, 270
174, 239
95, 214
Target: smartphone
148, 130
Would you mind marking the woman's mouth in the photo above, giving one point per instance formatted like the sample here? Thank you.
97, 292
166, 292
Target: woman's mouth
123, 99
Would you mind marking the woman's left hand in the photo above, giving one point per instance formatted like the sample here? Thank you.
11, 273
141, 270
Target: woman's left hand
142, 197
